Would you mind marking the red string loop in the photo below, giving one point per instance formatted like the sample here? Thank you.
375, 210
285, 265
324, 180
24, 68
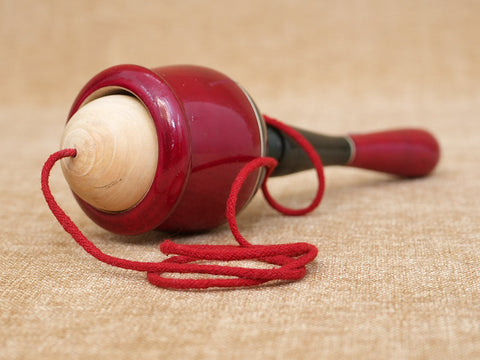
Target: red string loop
287, 261
317, 164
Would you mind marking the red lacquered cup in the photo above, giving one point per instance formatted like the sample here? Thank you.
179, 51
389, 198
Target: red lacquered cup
208, 128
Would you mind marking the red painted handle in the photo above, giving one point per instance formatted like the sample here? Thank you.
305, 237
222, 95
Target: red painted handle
405, 152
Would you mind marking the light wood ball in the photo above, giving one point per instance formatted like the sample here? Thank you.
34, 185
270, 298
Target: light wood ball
117, 152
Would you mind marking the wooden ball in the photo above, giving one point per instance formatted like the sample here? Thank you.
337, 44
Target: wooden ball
117, 152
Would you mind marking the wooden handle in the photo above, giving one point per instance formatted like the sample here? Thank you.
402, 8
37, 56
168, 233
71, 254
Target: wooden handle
404, 152
117, 152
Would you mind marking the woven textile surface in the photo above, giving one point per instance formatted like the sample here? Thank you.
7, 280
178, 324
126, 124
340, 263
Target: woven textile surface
397, 275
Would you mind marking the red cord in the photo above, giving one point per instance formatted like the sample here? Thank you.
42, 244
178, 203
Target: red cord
288, 260
314, 158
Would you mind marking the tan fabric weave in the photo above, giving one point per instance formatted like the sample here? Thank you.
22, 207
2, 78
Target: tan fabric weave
398, 274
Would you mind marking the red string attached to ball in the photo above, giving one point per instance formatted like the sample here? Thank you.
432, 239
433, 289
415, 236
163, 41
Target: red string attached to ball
289, 260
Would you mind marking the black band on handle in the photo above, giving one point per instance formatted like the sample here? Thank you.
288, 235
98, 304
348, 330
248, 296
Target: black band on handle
292, 158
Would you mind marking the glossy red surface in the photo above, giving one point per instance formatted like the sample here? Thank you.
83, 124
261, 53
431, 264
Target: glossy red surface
207, 131
404, 152
225, 135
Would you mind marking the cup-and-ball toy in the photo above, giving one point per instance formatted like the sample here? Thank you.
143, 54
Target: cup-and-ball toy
160, 148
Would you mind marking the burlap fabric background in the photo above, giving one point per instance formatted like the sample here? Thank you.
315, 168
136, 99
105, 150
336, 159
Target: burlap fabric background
397, 275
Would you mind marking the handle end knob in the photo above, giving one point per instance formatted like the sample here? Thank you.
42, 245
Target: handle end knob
403, 152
